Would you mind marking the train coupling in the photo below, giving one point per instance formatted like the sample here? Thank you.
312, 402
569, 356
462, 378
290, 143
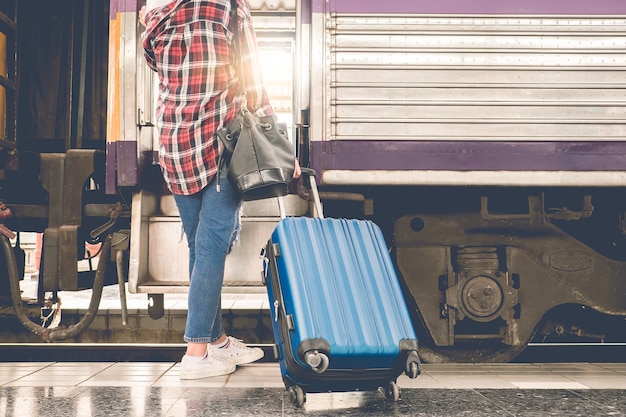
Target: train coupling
114, 213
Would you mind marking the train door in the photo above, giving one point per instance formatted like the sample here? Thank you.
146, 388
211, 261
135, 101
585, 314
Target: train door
158, 253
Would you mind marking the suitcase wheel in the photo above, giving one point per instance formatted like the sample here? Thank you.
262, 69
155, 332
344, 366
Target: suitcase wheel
393, 391
297, 395
412, 368
317, 360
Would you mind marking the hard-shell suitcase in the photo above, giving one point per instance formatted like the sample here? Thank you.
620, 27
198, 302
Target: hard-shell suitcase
339, 316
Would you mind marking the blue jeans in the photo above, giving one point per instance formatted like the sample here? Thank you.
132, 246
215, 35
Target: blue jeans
211, 223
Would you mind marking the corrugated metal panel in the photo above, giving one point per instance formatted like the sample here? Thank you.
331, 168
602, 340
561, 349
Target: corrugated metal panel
474, 78
559, 7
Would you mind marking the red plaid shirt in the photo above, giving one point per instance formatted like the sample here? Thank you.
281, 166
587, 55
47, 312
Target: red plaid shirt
187, 42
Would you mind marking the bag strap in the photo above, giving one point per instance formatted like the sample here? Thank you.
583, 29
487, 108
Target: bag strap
237, 47
234, 18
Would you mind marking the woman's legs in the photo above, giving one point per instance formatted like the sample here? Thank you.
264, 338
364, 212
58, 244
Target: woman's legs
211, 223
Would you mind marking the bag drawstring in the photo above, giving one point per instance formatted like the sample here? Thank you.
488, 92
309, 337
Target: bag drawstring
220, 165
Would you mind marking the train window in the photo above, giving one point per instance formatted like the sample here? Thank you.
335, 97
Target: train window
277, 66
275, 26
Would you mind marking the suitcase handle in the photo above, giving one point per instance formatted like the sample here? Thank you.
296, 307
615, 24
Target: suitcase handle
316, 195
318, 212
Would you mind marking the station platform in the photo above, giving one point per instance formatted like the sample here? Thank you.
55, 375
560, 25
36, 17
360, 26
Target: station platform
136, 389
132, 387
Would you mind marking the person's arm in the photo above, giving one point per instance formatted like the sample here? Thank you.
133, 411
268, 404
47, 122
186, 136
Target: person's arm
257, 99
142, 15
145, 40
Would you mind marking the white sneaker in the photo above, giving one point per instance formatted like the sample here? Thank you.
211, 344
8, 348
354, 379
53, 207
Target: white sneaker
238, 352
196, 367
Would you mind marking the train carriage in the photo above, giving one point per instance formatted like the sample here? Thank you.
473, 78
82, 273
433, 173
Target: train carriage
486, 139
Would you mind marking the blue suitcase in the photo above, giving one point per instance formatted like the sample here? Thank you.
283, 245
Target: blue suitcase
339, 317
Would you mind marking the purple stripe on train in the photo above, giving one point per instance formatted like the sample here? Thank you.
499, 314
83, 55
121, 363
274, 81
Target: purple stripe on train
465, 155
576, 7
121, 6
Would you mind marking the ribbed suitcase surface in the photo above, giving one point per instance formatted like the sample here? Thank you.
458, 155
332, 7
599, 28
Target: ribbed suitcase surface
337, 293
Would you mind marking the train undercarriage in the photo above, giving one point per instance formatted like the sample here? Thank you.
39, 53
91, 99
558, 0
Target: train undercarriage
485, 271
489, 271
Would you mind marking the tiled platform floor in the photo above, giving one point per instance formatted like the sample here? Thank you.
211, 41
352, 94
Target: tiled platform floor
132, 389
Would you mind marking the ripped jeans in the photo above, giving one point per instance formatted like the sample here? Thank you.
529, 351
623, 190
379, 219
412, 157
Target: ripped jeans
211, 221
